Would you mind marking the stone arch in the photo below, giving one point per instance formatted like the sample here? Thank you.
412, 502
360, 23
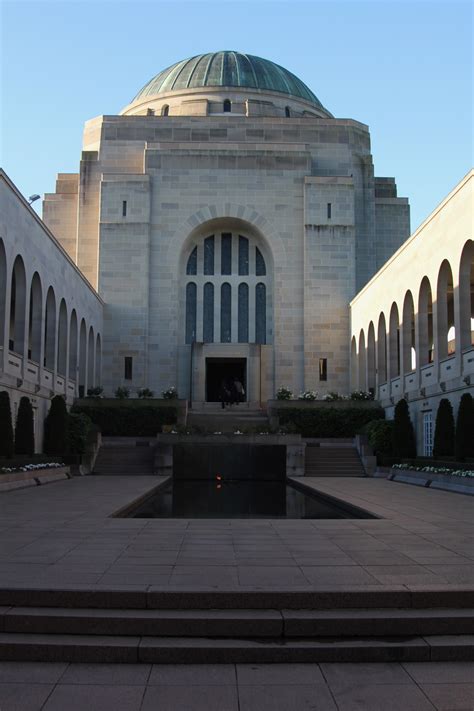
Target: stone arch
445, 324
466, 296
18, 307
362, 362
394, 342
50, 330
408, 333
382, 350
425, 323
3, 291
371, 361
73, 344
98, 361
82, 358
62, 338
354, 363
35, 325
90, 359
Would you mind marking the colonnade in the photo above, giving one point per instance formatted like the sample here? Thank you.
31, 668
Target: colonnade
428, 332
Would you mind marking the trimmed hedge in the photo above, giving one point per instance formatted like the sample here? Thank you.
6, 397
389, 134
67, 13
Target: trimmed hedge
327, 421
24, 429
443, 443
56, 431
379, 434
122, 420
6, 427
464, 441
79, 425
403, 435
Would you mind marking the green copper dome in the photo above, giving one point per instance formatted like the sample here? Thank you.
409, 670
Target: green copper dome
228, 69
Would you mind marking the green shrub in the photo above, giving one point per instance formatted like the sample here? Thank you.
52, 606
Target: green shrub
403, 436
379, 434
24, 429
122, 393
464, 440
96, 392
128, 419
56, 434
284, 393
443, 443
6, 429
327, 421
145, 393
79, 425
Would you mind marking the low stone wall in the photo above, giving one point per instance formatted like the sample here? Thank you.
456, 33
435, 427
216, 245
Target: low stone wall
295, 448
22, 480
432, 480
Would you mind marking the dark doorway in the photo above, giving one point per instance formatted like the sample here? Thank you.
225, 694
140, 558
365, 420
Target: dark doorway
224, 369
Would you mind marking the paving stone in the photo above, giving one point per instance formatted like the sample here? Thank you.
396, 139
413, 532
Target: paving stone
107, 674
23, 697
375, 697
440, 672
94, 697
32, 672
450, 697
342, 676
193, 675
304, 697
274, 674
191, 698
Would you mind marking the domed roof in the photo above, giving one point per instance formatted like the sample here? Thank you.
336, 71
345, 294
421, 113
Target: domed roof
228, 69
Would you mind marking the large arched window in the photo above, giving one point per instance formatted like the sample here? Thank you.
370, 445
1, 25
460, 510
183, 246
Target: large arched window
226, 291
36, 320
50, 330
18, 307
227, 106
3, 291
425, 323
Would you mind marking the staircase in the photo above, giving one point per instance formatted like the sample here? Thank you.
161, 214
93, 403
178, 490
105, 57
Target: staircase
186, 627
328, 459
212, 418
125, 456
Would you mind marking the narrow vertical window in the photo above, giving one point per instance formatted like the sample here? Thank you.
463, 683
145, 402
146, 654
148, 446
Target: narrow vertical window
226, 254
260, 313
287, 111
124, 208
209, 255
191, 267
190, 312
243, 256
208, 313
165, 110
243, 311
128, 368
226, 313
329, 210
323, 368
227, 106
260, 268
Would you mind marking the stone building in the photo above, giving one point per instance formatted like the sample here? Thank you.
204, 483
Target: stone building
226, 219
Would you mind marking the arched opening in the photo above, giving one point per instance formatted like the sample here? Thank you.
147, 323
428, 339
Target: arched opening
82, 358
362, 381
73, 347
466, 296
408, 330
425, 323
35, 326
287, 111
91, 359
18, 307
98, 361
382, 350
354, 364
227, 106
394, 342
445, 312
3, 291
62, 338
50, 330
371, 367
165, 110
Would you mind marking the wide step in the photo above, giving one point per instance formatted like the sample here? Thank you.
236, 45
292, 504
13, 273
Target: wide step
185, 650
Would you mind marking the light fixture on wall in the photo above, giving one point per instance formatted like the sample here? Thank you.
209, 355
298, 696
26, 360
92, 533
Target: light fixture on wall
442, 385
467, 379
33, 198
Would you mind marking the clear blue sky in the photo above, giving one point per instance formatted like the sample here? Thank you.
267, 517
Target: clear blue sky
403, 68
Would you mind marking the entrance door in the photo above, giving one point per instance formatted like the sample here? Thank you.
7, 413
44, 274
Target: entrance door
220, 370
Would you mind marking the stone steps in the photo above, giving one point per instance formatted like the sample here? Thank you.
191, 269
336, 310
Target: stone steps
124, 459
332, 461
228, 420
200, 650
239, 623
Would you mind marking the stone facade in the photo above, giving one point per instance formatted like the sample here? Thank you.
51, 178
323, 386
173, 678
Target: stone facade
278, 170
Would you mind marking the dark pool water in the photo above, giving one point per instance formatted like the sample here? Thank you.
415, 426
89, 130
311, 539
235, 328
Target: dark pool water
238, 499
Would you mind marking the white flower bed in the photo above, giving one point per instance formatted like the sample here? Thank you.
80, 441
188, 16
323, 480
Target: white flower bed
32, 467
435, 470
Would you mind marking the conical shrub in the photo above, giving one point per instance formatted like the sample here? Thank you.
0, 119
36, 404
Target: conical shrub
24, 429
443, 443
6, 429
464, 439
56, 439
403, 436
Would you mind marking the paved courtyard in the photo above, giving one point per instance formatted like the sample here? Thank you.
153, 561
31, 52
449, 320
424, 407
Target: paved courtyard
444, 686
62, 535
